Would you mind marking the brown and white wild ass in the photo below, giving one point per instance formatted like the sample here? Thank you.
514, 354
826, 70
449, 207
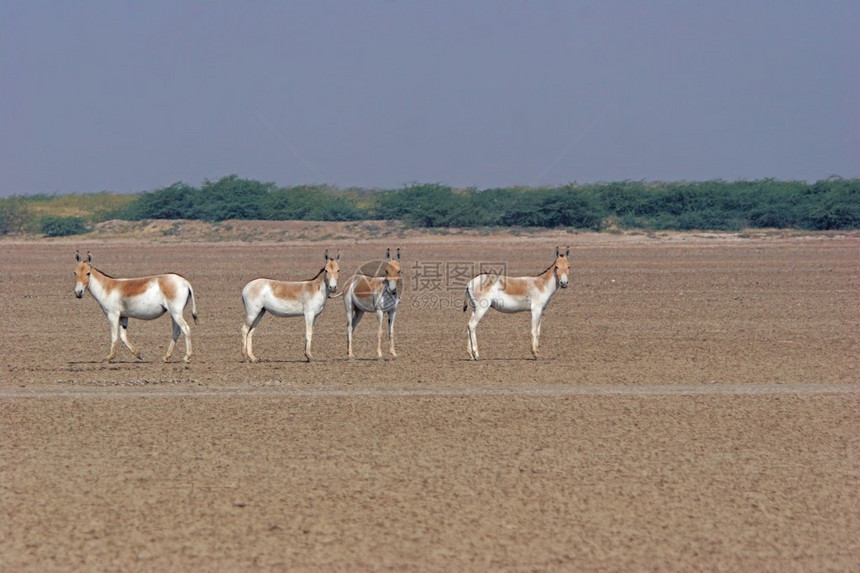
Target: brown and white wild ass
515, 294
379, 294
146, 298
295, 298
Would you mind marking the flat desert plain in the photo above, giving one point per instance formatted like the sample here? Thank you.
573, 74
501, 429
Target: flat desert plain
695, 407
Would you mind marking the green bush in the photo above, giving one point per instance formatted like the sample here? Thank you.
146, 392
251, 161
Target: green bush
15, 217
174, 202
310, 203
230, 198
235, 198
832, 203
425, 205
62, 226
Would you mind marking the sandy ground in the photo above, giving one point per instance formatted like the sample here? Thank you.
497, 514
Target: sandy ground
695, 407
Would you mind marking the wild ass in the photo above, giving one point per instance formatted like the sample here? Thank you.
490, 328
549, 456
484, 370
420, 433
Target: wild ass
515, 294
146, 298
379, 294
295, 298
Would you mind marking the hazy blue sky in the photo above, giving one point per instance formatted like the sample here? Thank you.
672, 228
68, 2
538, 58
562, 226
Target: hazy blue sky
132, 96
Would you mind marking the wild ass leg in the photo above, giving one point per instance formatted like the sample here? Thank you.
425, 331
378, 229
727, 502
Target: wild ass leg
248, 329
391, 332
380, 317
536, 320
477, 314
353, 317
179, 327
245, 332
309, 335
123, 334
350, 317
186, 331
174, 337
113, 320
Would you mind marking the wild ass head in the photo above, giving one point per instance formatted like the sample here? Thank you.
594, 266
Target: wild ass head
561, 267
82, 273
392, 271
331, 271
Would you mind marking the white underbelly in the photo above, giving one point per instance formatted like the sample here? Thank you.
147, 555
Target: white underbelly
280, 308
143, 309
298, 307
386, 302
507, 303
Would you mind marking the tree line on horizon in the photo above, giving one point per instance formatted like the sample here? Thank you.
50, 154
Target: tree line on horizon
828, 204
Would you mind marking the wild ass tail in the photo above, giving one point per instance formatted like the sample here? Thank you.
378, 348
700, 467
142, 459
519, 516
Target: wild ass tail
466, 299
193, 303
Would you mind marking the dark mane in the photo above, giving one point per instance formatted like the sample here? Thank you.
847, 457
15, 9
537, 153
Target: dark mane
102, 272
321, 271
127, 278
547, 269
537, 275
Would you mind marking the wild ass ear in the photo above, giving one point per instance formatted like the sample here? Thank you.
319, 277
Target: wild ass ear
89, 257
398, 254
337, 258
556, 252
567, 252
387, 254
78, 256
326, 254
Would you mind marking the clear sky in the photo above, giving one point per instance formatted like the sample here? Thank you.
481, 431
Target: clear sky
133, 96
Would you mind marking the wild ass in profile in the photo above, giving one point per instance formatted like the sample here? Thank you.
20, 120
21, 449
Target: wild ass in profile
296, 298
515, 294
370, 293
146, 298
